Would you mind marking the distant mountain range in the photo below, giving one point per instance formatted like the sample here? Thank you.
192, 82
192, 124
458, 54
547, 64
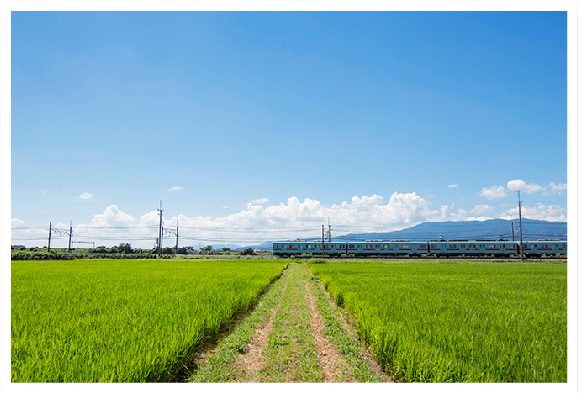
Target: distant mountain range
454, 230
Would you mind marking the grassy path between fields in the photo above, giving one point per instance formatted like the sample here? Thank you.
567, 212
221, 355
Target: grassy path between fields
295, 334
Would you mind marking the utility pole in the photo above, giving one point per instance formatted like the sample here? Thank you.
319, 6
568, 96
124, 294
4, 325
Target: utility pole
70, 237
177, 245
521, 244
323, 240
329, 225
160, 249
49, 236
513, 238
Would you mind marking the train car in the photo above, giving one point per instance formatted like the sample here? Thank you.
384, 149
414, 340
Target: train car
408, 248
287, 248
363, 248
473, 248
387, 248
309, 248
446, 248
544, 248
434, 248
334, 249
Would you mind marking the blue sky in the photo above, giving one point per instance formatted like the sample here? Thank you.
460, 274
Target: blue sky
245, 122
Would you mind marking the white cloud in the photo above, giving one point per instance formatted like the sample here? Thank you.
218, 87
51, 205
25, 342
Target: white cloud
481, 209
289, 220
225, 207
446, 214
259, 201
541, 212
15, 222
478, 218
298, 219
559, 188
175, 188
43, 192
515, 185
85, 196
493, 192
111, 217
452, 185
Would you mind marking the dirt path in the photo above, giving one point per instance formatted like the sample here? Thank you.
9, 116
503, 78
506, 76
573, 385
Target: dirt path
250, 363
331, 361
286, 341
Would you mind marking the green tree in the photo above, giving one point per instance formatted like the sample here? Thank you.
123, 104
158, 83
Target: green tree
125, 248
247, 251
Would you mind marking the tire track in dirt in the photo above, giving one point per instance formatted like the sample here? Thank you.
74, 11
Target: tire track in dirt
330, 360
250, 363
349, 325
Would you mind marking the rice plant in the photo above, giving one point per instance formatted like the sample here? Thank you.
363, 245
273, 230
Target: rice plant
458, 321
123, 320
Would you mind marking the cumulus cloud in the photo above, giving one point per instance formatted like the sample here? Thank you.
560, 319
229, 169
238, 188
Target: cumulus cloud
481, 209
291, 219
86, 195
299, 219
111, 217
287, 220
446, 213
493, 192
452, 185
515, 185
175, 188
540, 212
15, 222
558, 188
259, 201
225, 207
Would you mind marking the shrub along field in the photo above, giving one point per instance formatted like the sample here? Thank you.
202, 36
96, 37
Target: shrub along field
123, 320
458, 321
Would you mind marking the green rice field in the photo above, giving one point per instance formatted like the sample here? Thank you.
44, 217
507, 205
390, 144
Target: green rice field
455, 321
123, 320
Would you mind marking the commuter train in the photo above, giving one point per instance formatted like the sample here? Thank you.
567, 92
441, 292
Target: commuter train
462, 248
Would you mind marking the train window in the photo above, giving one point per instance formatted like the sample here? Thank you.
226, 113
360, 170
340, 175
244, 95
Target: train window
386, 246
